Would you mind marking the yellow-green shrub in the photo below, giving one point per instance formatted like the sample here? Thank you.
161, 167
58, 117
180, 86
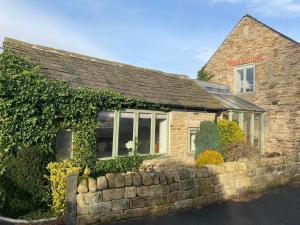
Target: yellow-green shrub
58, 175
229, 132
209, 157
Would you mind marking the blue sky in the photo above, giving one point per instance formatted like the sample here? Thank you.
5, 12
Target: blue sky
175, 36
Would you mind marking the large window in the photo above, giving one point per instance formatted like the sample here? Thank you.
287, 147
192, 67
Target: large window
244, 78
148, 128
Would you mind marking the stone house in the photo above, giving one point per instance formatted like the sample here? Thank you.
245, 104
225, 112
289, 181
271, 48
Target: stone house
262, 66
171, 133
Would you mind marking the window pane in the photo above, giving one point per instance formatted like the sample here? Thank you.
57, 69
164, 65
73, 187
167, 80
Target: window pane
144, 133
104, 134
192, 140
161, 134
239, 80
125, 131
63, 145
249, 79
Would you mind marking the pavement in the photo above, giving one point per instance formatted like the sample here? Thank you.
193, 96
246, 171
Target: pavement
276, 207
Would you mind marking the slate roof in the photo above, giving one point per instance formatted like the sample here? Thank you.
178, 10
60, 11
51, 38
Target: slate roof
173, 90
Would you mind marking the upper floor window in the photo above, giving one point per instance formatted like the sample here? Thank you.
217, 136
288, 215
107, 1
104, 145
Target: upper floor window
244, 78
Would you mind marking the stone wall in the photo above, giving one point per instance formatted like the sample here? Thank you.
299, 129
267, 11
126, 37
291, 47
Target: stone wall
277, 73
180, 122
133, 195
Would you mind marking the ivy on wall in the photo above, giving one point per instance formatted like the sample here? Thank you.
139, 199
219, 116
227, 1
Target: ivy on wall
33, 109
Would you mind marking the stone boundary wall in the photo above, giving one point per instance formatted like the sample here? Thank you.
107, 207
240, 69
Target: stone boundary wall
132, 195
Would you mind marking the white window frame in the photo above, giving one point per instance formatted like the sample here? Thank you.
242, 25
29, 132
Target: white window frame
190, 131
135, 130
244, 67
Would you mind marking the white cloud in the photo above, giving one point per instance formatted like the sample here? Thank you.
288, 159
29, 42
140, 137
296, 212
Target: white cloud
271, 8
27, 23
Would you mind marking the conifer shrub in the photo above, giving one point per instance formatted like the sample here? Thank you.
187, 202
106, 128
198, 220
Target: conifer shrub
207, 137
209, 157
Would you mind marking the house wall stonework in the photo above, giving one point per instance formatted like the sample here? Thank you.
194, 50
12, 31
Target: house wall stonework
277, 78
180, 122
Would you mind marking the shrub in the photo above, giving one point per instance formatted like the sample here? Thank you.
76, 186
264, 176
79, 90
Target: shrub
23, 182
120, 164
229, 132
236, 151
209, 157
207, 137
58, 175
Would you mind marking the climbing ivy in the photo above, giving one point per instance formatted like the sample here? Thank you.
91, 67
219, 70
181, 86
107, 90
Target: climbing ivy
33, 109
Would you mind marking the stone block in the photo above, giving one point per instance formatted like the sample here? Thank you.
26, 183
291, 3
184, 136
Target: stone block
146, 178
119, 180
184, 173
136, 179
162, 179
100, 207
83, 186
88, 219
120, 204
184, 204
206, 190
113, 194
192, 173
127, 179
151, 190
111, 180
92, 184
111, 216
82, 209
133, 213
198, 202
91, 198
176, 176
172, 197
150, 211
101, 183
136, 202
166, 208
169, 175
130, 192
155, 178
187, 184
167, 189
155, 200
175, 187
191, 193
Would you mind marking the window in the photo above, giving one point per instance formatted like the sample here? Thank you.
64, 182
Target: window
104, 134
115, 129
125, 131
161, 134
244, 78
64, 145
144, 133
191, 139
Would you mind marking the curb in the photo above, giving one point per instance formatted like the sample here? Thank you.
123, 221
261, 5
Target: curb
16, 221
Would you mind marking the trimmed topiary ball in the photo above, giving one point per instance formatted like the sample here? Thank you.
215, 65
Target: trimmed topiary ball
207, 137
209, 157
